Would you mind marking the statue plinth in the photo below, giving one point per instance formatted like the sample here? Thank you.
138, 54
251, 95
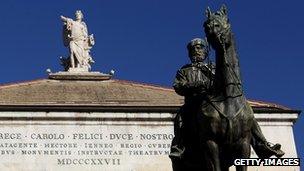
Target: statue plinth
78, 70
79, 74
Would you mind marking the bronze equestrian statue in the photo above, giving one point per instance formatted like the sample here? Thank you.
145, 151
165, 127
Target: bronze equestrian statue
216, 124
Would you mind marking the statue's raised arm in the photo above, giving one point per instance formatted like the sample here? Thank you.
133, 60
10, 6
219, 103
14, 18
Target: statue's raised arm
63, 18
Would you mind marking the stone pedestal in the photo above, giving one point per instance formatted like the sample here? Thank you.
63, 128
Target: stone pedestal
79, 74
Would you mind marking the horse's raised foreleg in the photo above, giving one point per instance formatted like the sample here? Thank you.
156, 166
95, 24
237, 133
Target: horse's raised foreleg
211, 156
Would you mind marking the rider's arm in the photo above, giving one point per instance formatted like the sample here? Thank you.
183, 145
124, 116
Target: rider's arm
186, 86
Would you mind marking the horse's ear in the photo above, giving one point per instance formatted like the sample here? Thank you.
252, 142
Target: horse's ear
224, 9
208, 12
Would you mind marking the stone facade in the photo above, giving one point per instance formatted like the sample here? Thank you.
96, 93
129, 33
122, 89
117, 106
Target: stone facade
54, 124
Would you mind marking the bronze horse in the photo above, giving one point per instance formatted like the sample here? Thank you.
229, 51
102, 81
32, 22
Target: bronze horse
227, 118
216, 124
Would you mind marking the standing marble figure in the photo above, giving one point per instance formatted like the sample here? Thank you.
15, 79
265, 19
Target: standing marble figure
75, 36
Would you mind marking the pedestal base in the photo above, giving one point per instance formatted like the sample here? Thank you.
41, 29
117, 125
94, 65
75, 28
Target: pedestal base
79, 75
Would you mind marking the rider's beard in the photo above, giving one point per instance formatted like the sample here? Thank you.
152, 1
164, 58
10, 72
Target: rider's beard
197, 58
198, 53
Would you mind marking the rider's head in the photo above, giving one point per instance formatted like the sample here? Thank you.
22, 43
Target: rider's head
79, 15
197, 50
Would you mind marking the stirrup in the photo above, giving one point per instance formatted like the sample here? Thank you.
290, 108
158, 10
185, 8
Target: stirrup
176, 152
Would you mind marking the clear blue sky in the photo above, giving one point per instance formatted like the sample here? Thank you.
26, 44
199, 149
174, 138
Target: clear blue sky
145, 41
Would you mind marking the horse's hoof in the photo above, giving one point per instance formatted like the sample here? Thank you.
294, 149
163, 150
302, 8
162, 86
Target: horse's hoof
279, 153
275, 150
276, 147
268, 149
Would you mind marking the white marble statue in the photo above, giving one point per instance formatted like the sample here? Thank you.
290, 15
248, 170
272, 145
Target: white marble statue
75, 36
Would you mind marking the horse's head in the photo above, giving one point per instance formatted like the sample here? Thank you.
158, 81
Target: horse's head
217, 26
